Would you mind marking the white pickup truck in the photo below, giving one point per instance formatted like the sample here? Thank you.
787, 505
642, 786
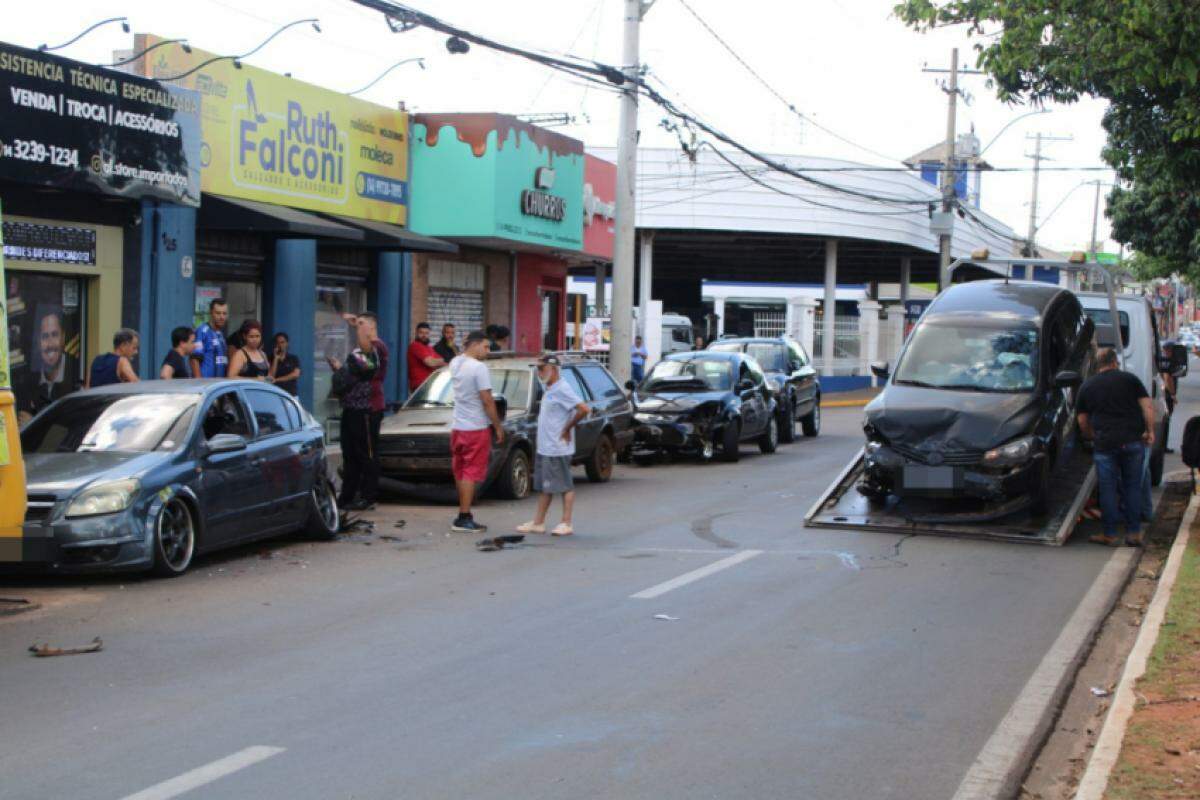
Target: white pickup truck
1141, 357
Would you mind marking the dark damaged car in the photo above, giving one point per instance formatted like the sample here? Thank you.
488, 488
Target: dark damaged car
981, 402
702, 404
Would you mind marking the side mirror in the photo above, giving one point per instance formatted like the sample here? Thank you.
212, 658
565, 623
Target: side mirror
1067, 379
224, 443
745, 385
501, 406
880, 369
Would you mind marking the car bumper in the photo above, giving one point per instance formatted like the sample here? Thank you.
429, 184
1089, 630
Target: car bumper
892, 473
105, 543
676, 436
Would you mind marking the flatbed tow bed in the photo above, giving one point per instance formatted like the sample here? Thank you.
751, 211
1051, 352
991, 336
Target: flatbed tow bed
842, 507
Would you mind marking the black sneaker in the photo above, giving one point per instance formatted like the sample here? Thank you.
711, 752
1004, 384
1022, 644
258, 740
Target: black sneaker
463, 524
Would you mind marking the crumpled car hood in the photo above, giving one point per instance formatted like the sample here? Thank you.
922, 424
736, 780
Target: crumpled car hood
945, 420
675, 402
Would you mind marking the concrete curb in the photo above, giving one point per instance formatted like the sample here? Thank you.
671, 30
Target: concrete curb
1112, 734
1001, 765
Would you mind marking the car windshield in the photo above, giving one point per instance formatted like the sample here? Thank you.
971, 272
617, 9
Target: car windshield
438, 389
690, 375
117, 422
769, 356
970, 358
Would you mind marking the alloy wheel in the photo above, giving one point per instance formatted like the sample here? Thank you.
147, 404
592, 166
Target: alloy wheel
176, 535
520, 476
326, 504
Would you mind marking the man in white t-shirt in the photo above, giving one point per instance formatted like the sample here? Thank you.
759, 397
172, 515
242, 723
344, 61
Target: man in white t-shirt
561, 410
470, 437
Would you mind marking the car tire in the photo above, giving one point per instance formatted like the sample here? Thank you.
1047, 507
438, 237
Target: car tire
787, 421
1039, 505
811, 422
1157, 458
769, 441
731, 442
174, 538
515, 479
323, 521
600, 466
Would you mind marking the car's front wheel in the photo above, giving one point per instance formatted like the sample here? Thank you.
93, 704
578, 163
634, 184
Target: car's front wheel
600, 466
731, 442
769, 441
787, 420
322, 520
514, 480
811, 423
174, 538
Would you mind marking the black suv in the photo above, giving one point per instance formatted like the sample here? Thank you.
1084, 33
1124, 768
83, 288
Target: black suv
414, 443
702, 403
982, 401
792, 377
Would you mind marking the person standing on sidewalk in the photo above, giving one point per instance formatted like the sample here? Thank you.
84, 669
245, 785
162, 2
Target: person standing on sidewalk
1114, 410
362, 412
561, 410
117, 366
211, 356
470, 439
637, 360
422, 359
445, 348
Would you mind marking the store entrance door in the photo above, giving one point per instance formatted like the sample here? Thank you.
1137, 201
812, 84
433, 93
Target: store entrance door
551, 300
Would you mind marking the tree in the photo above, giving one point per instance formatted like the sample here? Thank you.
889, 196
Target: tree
1143, 56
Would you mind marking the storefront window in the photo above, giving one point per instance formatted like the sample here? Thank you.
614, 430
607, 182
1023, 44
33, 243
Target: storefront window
334, 338
46, 348
244, 299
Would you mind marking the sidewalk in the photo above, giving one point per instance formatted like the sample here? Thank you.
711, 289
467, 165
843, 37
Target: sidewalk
1160, 754
854, 399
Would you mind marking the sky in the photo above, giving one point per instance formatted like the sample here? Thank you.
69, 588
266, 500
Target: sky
849, 65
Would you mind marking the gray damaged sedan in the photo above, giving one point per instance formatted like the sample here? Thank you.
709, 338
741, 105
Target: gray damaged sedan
145, 476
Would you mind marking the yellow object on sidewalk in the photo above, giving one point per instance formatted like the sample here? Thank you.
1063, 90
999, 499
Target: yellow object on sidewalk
12, 465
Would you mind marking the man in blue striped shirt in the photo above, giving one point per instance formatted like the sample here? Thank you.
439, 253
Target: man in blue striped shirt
211, 357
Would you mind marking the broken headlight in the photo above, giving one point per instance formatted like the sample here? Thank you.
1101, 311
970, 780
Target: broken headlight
1016, 452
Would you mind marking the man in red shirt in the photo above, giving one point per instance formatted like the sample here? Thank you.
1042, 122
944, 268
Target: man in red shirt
422, 360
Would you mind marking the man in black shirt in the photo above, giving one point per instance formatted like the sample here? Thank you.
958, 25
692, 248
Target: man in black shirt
445, 348
1116, 413
175, 365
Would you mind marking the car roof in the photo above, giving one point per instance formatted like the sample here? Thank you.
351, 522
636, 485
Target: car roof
750, 340
997, 299
707, 355
178, 386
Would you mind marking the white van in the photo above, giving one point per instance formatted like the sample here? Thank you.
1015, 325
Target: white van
1141, 357
677, 334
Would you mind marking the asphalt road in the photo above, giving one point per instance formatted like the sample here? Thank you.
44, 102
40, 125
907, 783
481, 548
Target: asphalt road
816, 664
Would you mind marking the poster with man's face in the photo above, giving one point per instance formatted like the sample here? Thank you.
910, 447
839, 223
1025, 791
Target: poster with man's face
44, 338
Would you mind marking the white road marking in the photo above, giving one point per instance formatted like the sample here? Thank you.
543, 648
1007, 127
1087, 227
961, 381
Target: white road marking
695, 575
206, 774
997, 769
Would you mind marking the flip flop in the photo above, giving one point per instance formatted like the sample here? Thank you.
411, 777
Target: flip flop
1108, 541
531, 527
563, 529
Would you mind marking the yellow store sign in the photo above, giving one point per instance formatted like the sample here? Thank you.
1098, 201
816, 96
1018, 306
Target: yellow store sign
282, 141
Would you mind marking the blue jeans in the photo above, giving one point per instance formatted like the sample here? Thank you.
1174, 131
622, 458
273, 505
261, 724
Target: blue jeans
1122, 476
637, 372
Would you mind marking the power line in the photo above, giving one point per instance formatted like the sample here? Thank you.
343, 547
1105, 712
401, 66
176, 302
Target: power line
790, 106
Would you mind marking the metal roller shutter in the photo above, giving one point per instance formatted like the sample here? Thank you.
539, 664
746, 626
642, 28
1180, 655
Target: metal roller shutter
456, 292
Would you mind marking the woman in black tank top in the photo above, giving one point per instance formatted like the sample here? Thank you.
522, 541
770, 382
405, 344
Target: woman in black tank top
250, 361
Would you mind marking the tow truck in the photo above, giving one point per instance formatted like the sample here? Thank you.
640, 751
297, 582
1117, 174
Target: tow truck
1072, 484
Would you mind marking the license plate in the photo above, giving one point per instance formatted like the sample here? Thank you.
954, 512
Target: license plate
922, 478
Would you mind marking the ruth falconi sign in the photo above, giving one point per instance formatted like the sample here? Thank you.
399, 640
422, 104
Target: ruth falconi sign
77, 126
278, 140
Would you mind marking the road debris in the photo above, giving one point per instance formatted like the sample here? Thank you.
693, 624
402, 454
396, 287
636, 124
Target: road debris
498, 542
46, 651
666, 617
16, 605
1100, 692
400, 523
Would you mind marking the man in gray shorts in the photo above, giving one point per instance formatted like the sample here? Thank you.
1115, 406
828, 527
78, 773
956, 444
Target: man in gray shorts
561, 410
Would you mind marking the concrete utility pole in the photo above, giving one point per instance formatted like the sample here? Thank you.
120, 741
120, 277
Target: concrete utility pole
1096, 221
1038, 158
623, 250
948, 173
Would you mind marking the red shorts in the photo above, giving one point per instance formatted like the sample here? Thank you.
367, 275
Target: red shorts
469, 451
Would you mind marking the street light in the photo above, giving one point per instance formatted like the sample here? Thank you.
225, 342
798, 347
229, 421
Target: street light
1010, 124
45, 48
237, 59
187, 48
420, 62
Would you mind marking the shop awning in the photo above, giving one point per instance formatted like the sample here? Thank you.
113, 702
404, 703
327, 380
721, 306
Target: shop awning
384, 234
227, 213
